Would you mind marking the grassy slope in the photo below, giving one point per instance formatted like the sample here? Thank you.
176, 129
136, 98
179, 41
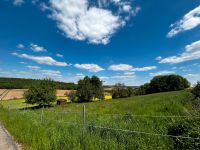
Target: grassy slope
57, 131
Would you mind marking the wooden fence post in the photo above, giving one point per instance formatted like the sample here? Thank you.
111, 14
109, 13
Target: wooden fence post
83, 128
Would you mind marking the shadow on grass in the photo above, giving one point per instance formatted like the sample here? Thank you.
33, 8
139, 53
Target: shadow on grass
36, 107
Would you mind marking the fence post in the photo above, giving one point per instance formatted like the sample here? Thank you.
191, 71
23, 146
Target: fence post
83, 127
42, 114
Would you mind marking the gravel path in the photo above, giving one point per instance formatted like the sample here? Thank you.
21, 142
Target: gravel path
6, 141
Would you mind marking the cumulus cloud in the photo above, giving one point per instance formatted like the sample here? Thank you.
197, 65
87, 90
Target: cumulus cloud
192, 52
20, 46
165, 72
81, 21
126, 67
42, 60
18, 2
89, 67
120, 67
37, 48
158, 58
59, 55
188, 22
148, 68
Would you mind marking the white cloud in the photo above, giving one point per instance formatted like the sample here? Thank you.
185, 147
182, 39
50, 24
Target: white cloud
129, 73
59, 55
51, 73
123, 77
44, 7
81, 21
148, 68
192, 52
18, 2
193, 78
33, 67
120, 67
188, 22
34, 2
126, 67
20, 46
127, 8
42, 60
165, 72
43, 73
80, 75
90, 67
37, 48
22, 62
158, 58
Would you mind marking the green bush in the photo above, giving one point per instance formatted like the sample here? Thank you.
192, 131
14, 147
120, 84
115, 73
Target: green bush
196, 90
42, 94
186, 128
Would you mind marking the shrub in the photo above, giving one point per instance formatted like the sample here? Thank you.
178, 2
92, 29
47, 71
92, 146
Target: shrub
89, 89
43, 93
186, 128
196, 90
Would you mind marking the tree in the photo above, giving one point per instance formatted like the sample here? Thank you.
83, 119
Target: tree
142, 90
43, 93
163, 83
89, 88
166, 83
97, 87
196, 90
121, 91
72, 96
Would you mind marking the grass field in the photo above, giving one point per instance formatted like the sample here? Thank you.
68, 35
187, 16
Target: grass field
60, 127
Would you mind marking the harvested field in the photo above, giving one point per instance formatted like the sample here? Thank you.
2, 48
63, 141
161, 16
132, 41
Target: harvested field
1, 91
14, 94
62, 92
18, 93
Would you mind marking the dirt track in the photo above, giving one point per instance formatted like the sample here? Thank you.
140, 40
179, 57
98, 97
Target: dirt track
6, 141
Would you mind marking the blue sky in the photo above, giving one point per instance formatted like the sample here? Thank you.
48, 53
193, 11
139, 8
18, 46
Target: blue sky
127, 41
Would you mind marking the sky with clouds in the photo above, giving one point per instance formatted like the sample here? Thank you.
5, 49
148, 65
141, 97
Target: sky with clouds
127, 41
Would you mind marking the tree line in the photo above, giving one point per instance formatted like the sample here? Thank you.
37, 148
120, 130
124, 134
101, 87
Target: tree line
163, 83
21, 83
91, 88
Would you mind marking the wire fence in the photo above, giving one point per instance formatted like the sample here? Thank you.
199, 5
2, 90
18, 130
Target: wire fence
119, 126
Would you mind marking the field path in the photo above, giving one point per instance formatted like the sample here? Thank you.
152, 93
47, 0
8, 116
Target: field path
6, 141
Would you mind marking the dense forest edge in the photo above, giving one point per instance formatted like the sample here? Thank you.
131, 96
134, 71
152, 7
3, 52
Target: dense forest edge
21, 83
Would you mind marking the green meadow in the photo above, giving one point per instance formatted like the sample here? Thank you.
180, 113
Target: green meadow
139, 122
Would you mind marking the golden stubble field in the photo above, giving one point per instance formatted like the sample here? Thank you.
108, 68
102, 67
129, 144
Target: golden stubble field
18, 93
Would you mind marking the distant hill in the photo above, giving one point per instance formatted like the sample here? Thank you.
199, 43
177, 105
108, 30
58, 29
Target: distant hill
21, 83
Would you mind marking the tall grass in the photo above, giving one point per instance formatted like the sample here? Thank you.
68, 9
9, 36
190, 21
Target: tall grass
61, 127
